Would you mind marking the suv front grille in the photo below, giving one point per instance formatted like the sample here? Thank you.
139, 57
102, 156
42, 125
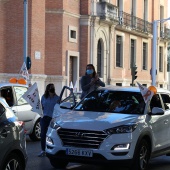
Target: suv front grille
81, 138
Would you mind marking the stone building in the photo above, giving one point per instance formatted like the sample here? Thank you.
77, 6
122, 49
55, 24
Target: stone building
65, 35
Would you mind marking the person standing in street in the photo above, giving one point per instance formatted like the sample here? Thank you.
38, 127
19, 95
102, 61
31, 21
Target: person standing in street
90, 81
48, 101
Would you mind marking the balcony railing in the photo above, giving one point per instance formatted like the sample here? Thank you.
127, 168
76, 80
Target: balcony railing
165, 33
135, 22
107, 11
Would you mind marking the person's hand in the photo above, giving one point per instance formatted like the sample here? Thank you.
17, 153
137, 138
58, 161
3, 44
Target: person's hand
96, 77
92, 81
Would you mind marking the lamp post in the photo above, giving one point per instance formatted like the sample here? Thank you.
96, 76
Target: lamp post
25, 30
154, 49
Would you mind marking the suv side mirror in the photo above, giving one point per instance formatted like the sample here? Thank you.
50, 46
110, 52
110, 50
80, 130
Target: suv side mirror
66, 105
156, 111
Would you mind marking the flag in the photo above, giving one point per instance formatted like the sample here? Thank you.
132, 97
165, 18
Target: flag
146, 93
24, 71
71, 85
33, 98
75, 87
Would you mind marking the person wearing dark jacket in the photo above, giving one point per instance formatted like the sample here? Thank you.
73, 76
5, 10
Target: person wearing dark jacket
90, 81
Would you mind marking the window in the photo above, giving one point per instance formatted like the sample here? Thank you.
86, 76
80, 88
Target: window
166, 101
161, 59
72, 34
133, 14
133, 8
155, 101
118, 84
99, 53
161, 23
161, 85
19, 91
119, 51
8, 95
168, 58
2, 109
133, 55
105, 101
120, 6
145, 56
145, 10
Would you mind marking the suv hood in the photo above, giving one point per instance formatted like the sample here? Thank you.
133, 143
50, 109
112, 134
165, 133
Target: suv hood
94, 120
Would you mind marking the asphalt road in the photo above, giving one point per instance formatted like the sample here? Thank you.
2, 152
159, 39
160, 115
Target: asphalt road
37, 163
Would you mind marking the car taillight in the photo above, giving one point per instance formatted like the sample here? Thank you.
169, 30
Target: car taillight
22, 125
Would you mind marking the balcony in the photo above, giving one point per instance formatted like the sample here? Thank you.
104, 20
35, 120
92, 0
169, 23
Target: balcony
107, 11
165, 33
135, 23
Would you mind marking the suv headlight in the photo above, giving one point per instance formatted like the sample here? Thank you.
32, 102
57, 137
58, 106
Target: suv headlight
54, 125
122, 129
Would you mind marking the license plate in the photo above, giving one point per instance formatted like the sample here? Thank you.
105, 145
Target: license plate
79, 152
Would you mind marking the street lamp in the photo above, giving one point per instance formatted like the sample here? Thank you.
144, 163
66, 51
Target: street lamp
154, 49
25, 30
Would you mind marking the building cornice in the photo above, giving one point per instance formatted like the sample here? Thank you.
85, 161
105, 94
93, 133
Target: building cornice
61, 11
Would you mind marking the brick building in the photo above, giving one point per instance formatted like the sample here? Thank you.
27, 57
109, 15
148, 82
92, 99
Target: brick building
65, 35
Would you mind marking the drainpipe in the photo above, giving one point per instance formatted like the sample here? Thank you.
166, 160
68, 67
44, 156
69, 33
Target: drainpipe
92, 31
91, 40
25, 30
109, 55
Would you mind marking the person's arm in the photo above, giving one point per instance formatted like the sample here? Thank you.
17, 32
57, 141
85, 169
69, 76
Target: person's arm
85, 85
100, 83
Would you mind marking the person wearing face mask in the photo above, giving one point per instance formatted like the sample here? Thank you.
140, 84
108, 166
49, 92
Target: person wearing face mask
48, 101
90, 81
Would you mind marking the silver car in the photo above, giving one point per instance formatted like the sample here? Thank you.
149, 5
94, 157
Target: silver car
13, 96
12, 139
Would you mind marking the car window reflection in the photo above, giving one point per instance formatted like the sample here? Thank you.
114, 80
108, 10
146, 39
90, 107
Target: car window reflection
113, 102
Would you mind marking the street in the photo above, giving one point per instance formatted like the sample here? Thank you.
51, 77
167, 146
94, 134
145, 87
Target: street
37, 163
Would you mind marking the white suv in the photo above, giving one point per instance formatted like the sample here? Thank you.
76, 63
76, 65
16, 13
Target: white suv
111, 125
13, 95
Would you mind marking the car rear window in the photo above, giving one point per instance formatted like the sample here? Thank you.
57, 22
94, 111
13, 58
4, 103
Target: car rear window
113, 102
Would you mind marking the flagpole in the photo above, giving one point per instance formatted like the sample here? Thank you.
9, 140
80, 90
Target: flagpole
25, 29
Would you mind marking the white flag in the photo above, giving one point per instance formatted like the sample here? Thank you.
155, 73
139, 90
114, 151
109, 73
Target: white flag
75, 87
33, 98
71, 85
24, 71
146, 93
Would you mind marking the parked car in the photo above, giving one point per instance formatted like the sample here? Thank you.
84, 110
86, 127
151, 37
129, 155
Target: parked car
111, 126
13, 95
12, 139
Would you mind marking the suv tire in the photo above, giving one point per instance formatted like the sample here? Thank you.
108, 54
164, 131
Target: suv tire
141, 156
58, 163
14, 161
35, 135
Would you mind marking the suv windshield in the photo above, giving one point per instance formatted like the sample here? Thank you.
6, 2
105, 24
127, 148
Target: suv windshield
113, 102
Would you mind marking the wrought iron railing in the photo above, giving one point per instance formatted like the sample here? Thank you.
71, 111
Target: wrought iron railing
135, 22
165, 33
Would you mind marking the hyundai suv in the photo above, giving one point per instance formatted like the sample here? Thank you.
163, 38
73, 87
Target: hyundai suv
12, 139
13, 96
112, 126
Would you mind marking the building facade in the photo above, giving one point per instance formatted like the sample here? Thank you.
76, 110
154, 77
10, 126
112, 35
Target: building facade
66, 35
